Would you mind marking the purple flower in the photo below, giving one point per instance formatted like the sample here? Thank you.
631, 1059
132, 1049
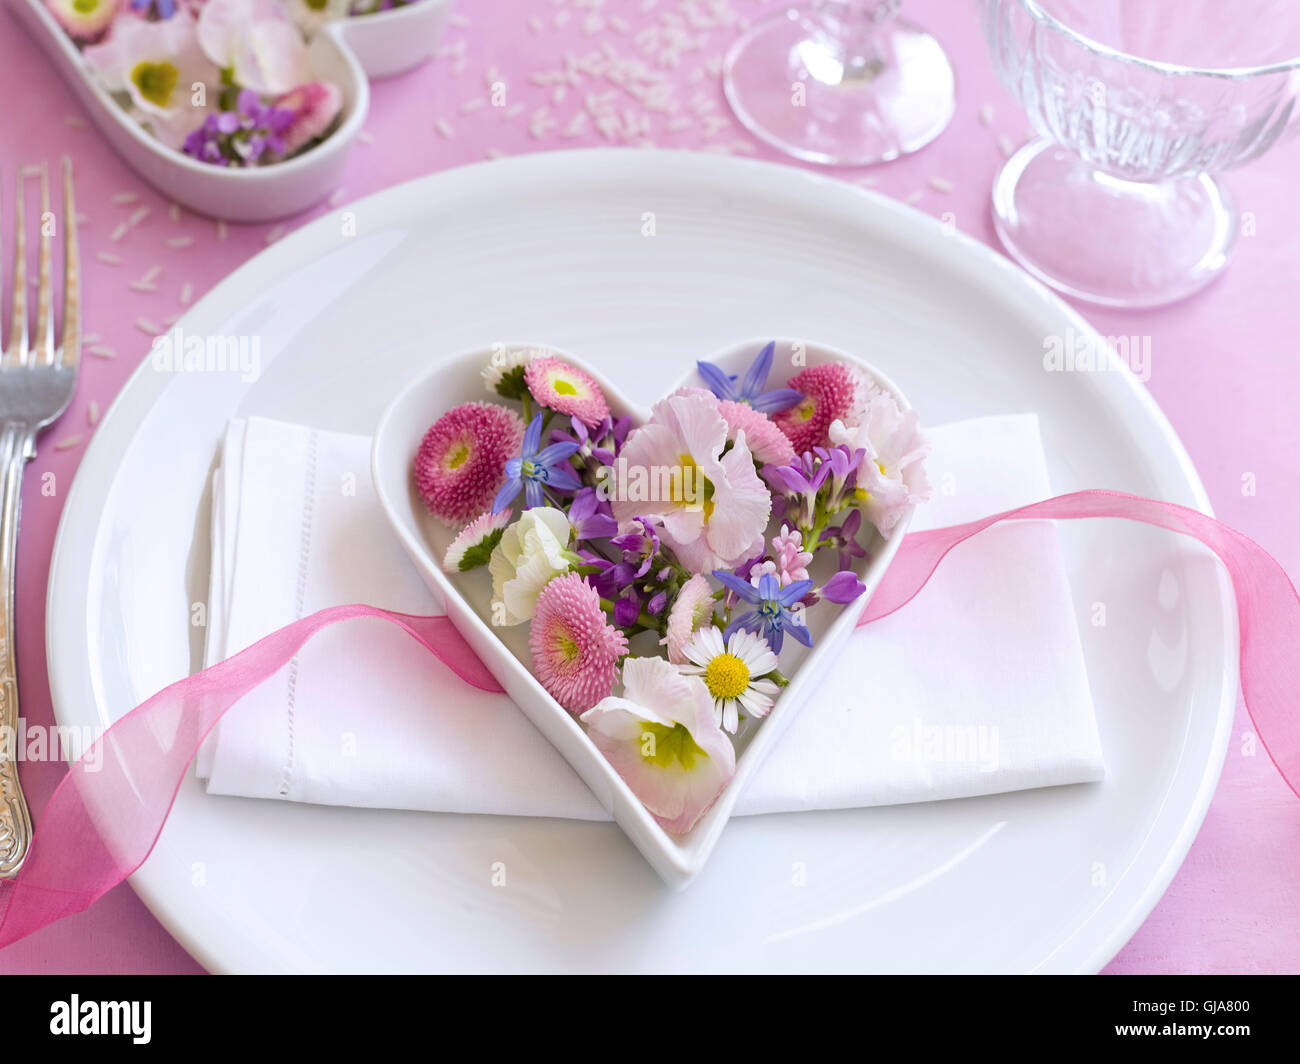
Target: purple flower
164, 9
639, 544
843, 587
750, 390
240, 137
601, 443
534, 471
591, 517
773, 615
845, 539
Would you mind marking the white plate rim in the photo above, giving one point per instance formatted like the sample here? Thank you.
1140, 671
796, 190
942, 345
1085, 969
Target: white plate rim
69, 569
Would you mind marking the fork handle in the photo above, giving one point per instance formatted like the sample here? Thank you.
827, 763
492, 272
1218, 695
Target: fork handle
15, 820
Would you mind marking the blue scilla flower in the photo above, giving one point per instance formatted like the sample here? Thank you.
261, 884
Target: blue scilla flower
773, 614
536, 470
750, 389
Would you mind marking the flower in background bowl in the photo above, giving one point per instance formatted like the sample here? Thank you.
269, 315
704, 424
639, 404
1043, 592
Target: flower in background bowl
250, 133
313, 108
83, 20
461, 462
310, 15
157, 65
575, 648
661, 737
254, 41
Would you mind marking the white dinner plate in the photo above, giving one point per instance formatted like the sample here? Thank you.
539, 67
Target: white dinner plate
557, 246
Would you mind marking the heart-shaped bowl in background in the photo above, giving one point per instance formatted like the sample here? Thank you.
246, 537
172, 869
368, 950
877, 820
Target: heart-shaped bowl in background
466, 597
346, 52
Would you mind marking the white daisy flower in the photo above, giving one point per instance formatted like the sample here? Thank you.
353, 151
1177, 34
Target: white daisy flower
506, 365
729, 672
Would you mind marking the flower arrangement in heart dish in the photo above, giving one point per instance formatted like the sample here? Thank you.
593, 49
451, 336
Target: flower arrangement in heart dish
664, 568
227, 82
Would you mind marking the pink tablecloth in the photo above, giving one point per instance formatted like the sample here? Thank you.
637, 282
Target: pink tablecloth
1225, 369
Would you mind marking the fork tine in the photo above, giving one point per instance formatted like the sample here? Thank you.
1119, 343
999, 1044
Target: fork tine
16, 354
43, 336
70, 344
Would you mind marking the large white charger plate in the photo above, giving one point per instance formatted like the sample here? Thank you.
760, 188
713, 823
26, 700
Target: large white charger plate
554, 246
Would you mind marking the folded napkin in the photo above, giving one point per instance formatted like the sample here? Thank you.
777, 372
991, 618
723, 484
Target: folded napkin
977, 686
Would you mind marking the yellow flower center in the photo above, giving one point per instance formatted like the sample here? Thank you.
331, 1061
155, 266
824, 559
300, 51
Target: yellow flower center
693, 488
317, 5
84, 7
155, 81
805, 410
563, 387
662, 744
458, 455
568, 647
726, 676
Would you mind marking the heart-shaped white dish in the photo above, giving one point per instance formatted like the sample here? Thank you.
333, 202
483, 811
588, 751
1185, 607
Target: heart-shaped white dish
505, 650
344, 52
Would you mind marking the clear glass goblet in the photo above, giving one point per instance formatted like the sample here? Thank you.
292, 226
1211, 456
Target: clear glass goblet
1138, 106
841, 82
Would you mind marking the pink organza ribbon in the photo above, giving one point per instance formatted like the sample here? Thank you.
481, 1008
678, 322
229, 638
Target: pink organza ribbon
103, 821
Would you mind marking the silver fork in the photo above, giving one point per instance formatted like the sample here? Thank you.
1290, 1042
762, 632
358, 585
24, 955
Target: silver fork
37, 379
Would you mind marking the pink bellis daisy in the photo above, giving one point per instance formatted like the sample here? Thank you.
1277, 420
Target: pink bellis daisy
832, 391
691, 609
84, 20
476, 541
461, 463
575, 648
566, 389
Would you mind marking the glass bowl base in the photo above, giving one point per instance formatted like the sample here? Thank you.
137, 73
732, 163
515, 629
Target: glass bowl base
1108, 240
792, 86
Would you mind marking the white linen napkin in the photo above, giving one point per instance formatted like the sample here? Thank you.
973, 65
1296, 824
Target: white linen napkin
976, 687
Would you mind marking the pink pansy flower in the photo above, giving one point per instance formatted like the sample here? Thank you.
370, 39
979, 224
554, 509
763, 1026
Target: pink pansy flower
892, 475
254, 40
832, 391
766, 442
575, 648
157, 65
692, 608
314, 107
566, 389
662, 738
713, 506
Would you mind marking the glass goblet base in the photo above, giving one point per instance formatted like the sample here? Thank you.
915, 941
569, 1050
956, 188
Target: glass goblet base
1107, 240
795, 87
